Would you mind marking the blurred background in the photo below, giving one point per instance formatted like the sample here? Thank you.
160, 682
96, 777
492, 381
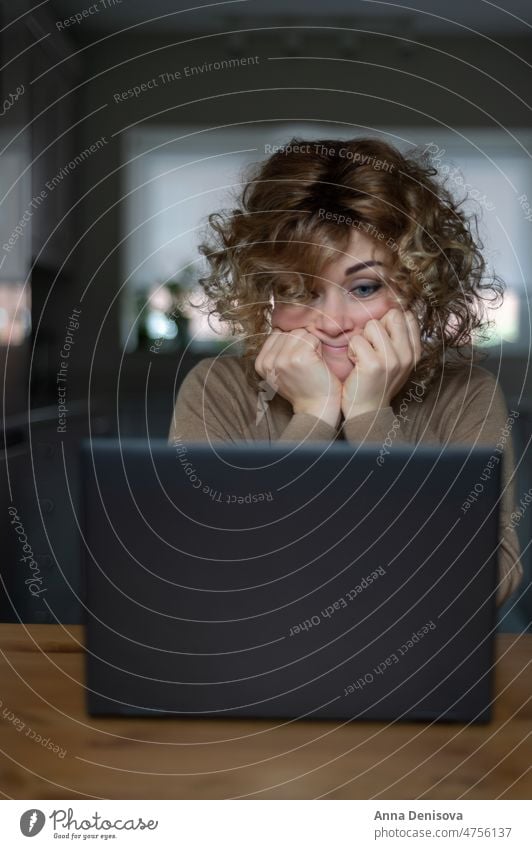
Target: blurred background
125, 123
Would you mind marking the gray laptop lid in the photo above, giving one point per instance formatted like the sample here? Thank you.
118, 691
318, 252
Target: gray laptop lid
289, 580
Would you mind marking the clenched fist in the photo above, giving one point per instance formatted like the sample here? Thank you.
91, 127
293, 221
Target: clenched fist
383, 356
293, 362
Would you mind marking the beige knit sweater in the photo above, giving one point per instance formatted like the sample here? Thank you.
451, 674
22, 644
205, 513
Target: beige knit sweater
215, 402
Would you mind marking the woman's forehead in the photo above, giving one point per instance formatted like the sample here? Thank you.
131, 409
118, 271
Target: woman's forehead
360, 249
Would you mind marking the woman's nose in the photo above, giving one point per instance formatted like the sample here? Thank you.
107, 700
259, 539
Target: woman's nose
333, 314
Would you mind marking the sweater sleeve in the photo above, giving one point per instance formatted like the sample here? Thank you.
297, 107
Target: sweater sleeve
484, 420
386, 427
202, 413
472, 414
207, 410
304, 426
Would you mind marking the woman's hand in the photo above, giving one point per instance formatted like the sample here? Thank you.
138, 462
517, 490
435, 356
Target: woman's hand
292, 364
384, 356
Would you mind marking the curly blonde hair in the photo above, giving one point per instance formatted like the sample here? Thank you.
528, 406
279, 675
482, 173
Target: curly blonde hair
278, 239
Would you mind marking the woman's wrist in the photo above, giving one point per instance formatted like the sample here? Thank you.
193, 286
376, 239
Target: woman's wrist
323, 409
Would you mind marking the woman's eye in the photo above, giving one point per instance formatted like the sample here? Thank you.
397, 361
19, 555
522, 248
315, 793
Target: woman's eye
304, 297
364, 290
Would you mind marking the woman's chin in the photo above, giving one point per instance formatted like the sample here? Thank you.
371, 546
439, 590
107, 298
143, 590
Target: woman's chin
340, 369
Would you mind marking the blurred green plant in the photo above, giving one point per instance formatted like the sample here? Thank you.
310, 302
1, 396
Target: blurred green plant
162, 313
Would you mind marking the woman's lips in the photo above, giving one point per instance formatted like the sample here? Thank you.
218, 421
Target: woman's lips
335, 349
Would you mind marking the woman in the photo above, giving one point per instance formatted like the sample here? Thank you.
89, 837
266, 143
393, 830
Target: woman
355, 283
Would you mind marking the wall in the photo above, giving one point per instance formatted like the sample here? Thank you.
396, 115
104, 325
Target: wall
398, 93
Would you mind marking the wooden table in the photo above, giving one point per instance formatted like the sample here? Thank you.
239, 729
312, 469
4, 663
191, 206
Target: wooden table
41, 690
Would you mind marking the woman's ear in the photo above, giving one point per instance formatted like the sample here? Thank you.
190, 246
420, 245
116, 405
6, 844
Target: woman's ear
274, 315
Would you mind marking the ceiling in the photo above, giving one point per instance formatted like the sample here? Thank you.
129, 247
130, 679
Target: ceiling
437, 17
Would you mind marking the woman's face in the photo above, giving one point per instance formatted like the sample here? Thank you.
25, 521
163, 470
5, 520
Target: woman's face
353, 288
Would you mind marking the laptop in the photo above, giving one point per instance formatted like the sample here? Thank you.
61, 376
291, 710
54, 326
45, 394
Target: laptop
323, 581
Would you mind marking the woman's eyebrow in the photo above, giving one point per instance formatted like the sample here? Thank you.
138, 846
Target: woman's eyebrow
361, 265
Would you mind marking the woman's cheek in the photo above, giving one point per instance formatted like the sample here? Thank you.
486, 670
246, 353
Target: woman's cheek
289, 318
377, 310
